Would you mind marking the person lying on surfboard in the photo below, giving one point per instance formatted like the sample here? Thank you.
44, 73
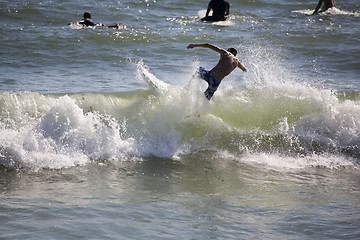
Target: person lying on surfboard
326, 5
227, 63
220, 10
87, 21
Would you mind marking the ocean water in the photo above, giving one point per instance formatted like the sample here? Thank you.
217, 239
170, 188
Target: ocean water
89, 151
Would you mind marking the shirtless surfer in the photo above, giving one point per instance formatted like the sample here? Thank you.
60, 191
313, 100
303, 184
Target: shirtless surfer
227, 63
87, 21
326, 4
220, 10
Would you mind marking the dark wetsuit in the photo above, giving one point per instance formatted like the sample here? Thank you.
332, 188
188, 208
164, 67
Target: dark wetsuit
88, 22
219, 9
209, 78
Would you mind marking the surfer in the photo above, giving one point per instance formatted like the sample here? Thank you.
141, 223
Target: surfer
220, 10
227, 63
87, 21
326, 4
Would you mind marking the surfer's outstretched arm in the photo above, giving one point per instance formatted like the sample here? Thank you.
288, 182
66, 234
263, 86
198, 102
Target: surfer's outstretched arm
207, 45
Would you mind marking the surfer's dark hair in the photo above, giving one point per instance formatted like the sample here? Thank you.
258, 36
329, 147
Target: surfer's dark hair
233, 51
87, 15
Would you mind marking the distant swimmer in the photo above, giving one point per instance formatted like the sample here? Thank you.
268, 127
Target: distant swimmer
87, 21
227, 63
220, 10
326, 4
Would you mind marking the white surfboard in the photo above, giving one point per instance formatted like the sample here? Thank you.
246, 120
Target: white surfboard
330, 11
154, 83
225, 23
202, 13
190, 97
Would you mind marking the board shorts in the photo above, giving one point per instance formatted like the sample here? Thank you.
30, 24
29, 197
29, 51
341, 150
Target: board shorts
209, 78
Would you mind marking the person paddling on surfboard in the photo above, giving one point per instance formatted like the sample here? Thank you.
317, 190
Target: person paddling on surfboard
227, 63
220, 10
87, 21
326, 5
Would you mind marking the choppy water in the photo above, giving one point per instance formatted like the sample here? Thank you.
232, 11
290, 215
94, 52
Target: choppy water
88, 150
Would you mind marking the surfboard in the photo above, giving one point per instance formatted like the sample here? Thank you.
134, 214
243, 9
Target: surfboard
202, 13
191, 98
225, 23
153, 82
330, 11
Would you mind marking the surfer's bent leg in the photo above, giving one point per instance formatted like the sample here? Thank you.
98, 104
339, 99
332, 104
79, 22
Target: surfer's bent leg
209, 78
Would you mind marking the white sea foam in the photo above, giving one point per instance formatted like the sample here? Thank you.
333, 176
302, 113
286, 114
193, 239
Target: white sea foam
330, 11
272, 115
287, 163
63, 136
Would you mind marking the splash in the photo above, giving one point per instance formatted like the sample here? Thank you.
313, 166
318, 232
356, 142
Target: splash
57, 134
274, 119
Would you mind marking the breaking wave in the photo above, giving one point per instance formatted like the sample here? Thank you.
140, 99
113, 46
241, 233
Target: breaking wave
279, 124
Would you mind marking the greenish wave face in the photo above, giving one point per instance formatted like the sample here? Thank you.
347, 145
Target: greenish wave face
284, 119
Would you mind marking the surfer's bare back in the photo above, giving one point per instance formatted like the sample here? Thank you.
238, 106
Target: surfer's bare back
227, 63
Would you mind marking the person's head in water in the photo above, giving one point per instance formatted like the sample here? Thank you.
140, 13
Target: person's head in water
233, 51
87, 15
